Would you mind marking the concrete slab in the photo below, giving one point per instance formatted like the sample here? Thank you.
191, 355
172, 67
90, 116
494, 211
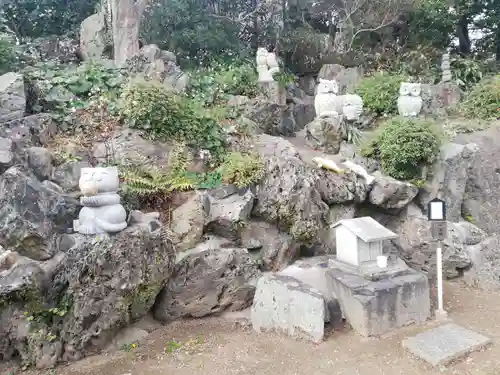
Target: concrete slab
441, 345
285, 304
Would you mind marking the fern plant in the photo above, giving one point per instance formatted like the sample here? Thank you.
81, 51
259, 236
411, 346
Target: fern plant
149, 180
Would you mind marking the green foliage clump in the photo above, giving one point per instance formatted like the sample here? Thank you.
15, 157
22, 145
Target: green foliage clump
483, 101
212, 85
403, 146
60, 90
242, 169
466, 72
148, 181
380, 92
149, 106
7, 54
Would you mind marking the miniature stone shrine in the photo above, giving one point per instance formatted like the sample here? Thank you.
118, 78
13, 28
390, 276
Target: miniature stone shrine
409, 101
327, 102
102, 211
352, 107
446, 68
376, 294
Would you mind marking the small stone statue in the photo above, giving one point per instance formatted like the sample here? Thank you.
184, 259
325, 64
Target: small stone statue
446, 68
409, 101
267, 65
102, 211
352, 107
327, 102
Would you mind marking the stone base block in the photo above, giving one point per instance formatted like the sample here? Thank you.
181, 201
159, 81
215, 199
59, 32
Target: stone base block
377, 307
312, 271
285, 304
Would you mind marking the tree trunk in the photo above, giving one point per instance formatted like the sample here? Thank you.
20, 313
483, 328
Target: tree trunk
126, 19
464, 43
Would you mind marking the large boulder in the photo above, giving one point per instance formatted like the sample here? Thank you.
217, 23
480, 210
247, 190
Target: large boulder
93, 37
12, 97
418, 248
271, 117
208, 280
325, 134
389, 193
481, 203
109, 281
347, 78
33, 130
295, 195
58, 49
32, 215
448, 178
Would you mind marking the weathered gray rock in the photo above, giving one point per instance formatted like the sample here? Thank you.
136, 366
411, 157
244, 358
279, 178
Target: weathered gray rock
481, 203
303, 111
67, 175
325, 134
288, 194
296, 196
12, 97
109, 282
58, 49
128, 146
32, 215
6, 154
417, 247
276, 249
188, 221
208, 281
448, 178
271, 117
285, 304
34, 130
40, 162
438, 98
227, 215
390, 193
153, 63
93, 40
347, 78
485, 270
20, 278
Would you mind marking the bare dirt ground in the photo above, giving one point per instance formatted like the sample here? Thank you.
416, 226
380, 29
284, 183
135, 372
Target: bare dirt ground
217, 346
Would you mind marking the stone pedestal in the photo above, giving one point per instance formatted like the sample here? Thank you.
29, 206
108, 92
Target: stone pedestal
274, 92
376, 302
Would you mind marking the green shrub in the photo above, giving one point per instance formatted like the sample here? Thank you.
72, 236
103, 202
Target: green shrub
212, 84
483, 101
403, 146
380, 92
149, 106
466, 72
242, 169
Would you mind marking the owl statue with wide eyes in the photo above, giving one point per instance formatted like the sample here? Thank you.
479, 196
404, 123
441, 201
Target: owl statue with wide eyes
409, 101
327, 102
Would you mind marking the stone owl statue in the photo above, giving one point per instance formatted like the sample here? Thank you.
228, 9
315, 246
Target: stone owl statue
267, 65
352, 107
409, 101
326, 101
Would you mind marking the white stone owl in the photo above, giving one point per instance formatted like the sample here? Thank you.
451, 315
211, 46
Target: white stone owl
326, 101
267, 65
409, 101
352, 106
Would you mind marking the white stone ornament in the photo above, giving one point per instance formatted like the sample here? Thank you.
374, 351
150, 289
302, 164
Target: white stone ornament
409, 101
267, 65
352, 107
102, 211
327, 102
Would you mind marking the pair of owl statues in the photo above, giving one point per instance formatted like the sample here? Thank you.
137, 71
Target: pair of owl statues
328, 103
267, 65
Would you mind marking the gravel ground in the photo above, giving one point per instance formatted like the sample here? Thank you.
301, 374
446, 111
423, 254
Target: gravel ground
219, 346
